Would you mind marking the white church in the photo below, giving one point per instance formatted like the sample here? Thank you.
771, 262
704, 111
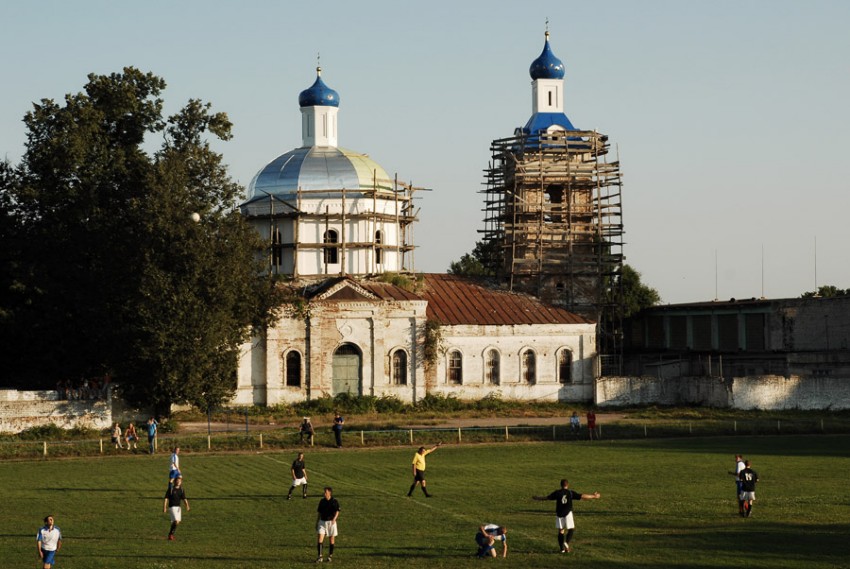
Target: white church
338, 226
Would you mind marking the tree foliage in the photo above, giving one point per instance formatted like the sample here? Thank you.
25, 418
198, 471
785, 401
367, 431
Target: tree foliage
109, 270
635, 294
481, 262
826, 291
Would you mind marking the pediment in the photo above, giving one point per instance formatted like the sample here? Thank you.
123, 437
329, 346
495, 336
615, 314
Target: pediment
347, 290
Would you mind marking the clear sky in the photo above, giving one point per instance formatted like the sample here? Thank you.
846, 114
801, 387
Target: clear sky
731, 118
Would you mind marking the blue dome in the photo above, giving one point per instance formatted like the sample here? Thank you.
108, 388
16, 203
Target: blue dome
319, 94
547, 66
317, 168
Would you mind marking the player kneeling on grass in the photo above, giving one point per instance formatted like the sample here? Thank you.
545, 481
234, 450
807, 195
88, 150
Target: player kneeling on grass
487, 537
173, 497
328, 512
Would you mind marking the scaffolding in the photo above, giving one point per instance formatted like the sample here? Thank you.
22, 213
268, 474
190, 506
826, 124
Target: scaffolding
553, 220
295, 213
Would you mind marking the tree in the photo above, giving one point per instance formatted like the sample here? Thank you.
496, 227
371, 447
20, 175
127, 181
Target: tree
636, 295
826, 291
482, 262
133, 265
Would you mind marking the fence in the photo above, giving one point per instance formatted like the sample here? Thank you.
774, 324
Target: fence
289, 439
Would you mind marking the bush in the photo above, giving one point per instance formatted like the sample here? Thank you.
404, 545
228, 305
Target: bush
42, 432
441, 403
390, 404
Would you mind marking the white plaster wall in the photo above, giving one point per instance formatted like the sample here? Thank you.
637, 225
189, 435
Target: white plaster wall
21, 410
753, 392
545, 340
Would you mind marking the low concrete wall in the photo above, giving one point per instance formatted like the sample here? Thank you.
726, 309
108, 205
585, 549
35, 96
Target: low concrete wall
749, 392
20, 410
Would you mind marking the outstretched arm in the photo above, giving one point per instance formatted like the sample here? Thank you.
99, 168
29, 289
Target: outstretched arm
594, 496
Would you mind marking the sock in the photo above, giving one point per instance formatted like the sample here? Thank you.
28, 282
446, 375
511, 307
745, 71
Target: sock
304, 491
290, 490
424, 490
569, 536
412, 488
173, 528
319, 548
331, 549
561, 542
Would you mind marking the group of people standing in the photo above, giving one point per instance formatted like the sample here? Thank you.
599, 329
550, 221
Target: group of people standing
306, 430
745, 485
131, 437
575, 424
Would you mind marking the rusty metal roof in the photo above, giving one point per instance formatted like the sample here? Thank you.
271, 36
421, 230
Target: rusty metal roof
455, 300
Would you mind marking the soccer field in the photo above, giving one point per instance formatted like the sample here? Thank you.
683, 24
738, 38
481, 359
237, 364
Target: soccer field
665, 503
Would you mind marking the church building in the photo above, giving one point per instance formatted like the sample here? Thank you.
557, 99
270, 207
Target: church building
360, 320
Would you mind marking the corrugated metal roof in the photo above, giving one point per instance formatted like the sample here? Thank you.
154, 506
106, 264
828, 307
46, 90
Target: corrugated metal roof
455, 300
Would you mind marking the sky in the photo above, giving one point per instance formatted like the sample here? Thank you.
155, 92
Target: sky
730, 118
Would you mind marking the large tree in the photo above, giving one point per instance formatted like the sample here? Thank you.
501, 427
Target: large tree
131, 263
636, 294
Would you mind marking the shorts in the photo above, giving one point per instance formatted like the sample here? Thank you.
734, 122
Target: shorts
176, 514
131, 438
327, 528
172, 474
747, 496
115, 440
565, 522
48, 557
299, 482
419, 476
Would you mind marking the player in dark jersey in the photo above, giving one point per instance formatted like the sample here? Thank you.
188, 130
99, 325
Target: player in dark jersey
564, 511
173, 497
328, 512
299, 476
748, 478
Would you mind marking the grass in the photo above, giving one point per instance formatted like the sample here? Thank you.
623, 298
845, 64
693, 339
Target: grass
665, 503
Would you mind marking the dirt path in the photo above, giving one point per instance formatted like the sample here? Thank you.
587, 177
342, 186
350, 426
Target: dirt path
448, 422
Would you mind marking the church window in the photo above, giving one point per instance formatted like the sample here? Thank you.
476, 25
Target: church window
492, 367
379, 253
565, 366
550, 98
293, 369
529, 366
455, 367
277, 249
331, 253
399, 367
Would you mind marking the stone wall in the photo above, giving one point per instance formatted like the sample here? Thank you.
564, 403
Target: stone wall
20, 410
749, 392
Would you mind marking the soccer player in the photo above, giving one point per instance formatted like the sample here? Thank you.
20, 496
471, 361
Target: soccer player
487, 537
328, 513
173, 497
49, 542
739, 466
564, 511
299, 476
419, 469
174, 467
748, 478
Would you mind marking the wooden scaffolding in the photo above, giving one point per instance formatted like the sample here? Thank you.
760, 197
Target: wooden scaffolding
553, 220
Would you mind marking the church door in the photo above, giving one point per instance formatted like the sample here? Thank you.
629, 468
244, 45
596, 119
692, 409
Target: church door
346, 371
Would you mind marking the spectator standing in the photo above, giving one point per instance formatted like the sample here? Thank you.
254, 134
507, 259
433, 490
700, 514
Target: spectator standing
591, 423
575, 423
337, 429
151, 426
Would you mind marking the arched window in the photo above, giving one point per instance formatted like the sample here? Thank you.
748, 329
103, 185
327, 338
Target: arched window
455, 367
331, 253
492, 369
529, 366
293, 369
565, 366
379, 253
399, 360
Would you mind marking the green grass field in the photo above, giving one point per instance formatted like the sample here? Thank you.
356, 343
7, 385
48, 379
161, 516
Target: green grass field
665, 503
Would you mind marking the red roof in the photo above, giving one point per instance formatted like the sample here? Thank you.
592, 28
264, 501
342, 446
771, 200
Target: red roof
455, 300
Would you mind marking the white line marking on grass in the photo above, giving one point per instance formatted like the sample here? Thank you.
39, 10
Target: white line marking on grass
418, 503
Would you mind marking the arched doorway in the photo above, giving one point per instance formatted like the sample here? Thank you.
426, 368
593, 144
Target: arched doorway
346, 370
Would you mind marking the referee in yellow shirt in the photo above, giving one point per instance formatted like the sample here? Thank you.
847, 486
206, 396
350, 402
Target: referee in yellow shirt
419, 469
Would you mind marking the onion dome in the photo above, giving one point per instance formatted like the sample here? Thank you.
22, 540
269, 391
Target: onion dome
317, 168
319, 94
547, 66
